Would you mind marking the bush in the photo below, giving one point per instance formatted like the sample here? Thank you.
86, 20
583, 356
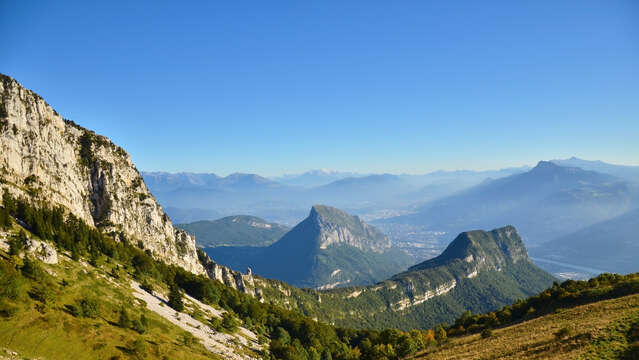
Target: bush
216, 324
124, 321
147, 286
230, 322
8, 310
137, 326
32, 269
42, 293
187, 339
139, 347
16, 243
10, 282
90, 307
562, 333
74, 310
487, 333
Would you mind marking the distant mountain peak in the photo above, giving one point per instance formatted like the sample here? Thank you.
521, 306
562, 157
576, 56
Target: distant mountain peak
546, 165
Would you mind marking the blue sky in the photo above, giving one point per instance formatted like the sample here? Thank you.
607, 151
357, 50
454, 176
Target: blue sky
369, 86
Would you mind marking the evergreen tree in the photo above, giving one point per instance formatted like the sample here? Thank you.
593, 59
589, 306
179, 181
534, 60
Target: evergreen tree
175, 298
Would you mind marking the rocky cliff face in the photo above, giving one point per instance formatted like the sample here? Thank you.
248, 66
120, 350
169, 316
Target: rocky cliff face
46, 158
335, 226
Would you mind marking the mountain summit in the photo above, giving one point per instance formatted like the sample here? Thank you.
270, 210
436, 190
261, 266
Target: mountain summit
335, 226
329, 248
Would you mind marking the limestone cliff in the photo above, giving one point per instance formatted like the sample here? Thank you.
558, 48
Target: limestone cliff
335, 226
44, 157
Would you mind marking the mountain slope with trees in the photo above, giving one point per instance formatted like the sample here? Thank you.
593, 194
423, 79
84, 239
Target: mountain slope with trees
238, 230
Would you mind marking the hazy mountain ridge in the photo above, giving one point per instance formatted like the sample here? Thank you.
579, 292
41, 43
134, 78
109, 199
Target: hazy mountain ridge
623, 171
313, 178
611, 245
190, 197
543, 203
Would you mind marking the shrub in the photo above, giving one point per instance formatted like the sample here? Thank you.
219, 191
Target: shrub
124, 321
187, 339
74, 310
8, 310
147, 286
137, 326
139, 347
216, 324
42, 293
230, 322
32, 269
90, 307
16, 243
562, 333
487, 333
10, 282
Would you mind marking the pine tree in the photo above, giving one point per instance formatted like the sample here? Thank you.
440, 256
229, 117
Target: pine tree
175, 298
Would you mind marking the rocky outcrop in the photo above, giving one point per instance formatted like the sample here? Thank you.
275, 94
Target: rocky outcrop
336, 226
228, 277
42, 250
44, 157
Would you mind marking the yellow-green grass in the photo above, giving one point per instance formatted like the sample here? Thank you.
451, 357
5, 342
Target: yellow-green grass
589, 329
51, 332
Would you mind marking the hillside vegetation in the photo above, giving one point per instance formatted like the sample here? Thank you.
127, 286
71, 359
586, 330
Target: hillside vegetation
28, 300
239, 230
606, 329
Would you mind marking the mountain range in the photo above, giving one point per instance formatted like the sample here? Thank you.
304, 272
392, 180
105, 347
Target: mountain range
190, 197
544, 203
622, 171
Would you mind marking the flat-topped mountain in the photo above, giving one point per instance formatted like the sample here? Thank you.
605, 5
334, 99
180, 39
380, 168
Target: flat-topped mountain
329, 248
238, 230
495, 248
479, 271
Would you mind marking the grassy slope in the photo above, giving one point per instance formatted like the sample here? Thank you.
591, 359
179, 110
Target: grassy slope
51, 332
594, 334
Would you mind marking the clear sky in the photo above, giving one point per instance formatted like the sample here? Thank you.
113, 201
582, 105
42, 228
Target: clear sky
369, 86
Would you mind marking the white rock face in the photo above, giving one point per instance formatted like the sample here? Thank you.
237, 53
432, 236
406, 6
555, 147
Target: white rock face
43, 251
338, 227
43, 157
